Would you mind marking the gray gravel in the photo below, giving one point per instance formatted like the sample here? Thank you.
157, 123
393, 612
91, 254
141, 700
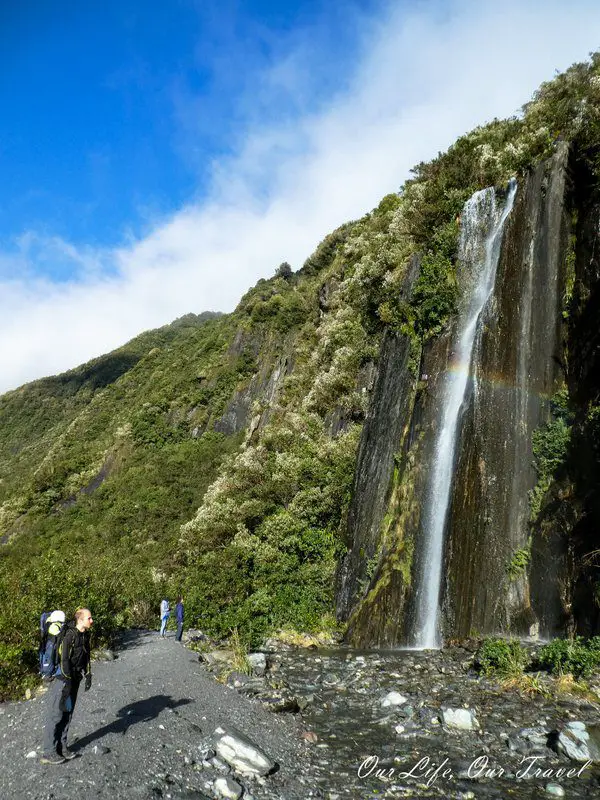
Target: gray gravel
154, 709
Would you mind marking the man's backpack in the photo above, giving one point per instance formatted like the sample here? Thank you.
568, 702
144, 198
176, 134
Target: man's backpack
53, 628
43, 620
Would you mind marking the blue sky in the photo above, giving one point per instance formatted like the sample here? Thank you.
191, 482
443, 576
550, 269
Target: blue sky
118, 110
157, 157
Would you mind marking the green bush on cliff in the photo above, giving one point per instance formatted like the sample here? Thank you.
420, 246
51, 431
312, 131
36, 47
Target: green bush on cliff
502, 657
519, 562
435, 293
569, 107
550, 448
267, 532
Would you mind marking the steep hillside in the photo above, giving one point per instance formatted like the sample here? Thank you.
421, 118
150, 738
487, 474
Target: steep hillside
228, 458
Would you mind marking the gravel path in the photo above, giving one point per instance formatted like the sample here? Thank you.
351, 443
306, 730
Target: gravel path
155, 708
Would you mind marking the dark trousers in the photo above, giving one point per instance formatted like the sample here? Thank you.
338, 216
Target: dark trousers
179, 630
60, 703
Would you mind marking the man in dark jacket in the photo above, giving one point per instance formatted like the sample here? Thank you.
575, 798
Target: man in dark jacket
73, 667
179, 617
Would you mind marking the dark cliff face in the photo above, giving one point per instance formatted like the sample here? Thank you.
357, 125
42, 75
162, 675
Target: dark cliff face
565, 568
584, 378
382, 618
518, 365
383, 432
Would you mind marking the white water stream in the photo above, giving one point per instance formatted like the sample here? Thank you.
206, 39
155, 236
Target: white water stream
482, 225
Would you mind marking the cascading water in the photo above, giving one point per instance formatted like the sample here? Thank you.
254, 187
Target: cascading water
482, 225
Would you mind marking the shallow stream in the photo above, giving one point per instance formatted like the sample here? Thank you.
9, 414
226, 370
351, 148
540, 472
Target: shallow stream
366, 749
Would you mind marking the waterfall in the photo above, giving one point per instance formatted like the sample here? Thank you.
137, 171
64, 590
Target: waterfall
482, 224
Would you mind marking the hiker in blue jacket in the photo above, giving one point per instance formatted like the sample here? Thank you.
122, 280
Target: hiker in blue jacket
73, 667
165, 613
179, 618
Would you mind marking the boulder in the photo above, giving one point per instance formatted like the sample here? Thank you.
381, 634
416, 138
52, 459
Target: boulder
217, 658
258, 662
578, 742
555, 790
241, 753
227, 788
393, 699
462, 719
193, 635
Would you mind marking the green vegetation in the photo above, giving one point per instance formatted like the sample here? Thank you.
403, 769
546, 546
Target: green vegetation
505, 658
267, 531
579, 657
240, 661
519, 562
550, 448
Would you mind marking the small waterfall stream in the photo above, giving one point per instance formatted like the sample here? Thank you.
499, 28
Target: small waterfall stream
482, 225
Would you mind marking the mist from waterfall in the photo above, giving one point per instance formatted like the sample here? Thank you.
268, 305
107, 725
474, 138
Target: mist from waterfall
482, 225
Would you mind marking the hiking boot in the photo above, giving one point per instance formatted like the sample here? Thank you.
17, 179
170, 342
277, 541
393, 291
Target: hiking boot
51, 758
68, 754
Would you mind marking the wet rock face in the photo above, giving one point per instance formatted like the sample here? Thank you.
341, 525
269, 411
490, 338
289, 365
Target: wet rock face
375, 463
573, 523
385, 428
382, 618
516, 364
264, 386
584, 336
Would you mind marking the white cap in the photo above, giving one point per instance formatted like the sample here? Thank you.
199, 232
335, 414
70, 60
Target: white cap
57, 616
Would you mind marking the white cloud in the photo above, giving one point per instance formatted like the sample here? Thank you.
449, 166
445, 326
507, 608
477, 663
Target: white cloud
421, 79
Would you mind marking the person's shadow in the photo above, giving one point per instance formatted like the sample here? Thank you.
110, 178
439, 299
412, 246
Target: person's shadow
132, 714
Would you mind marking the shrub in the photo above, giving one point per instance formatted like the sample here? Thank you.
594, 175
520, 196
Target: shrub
577, 656
519, 562
550, 449
502, 657
17, 670
284, 271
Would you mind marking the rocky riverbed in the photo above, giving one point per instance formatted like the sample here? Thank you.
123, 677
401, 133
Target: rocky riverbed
308, 723
424, 724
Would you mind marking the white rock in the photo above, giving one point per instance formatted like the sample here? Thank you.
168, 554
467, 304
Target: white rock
393, 699
31, 754
258, 662
241, 753
227, 788
555, 790
461, 719
576, 743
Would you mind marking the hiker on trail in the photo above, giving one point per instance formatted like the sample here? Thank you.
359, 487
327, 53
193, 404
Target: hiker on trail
179, 618
165, 613
73, 666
